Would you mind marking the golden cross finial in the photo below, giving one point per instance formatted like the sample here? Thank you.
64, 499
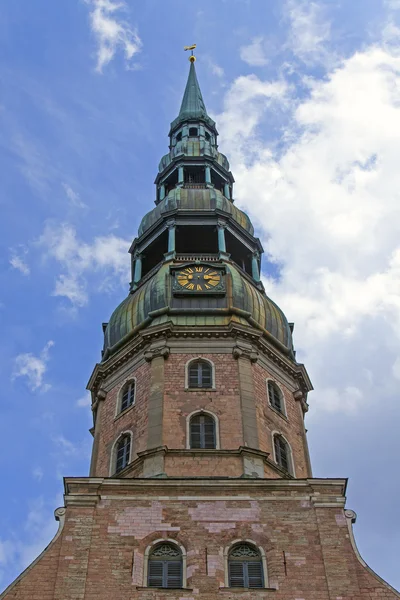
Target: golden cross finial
192, 57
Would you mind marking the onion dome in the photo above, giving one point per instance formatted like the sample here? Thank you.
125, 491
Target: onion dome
152, 305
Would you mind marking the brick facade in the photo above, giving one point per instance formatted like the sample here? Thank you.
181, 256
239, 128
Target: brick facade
300, 526
224, 403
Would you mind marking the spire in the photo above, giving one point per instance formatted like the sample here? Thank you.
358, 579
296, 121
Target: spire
192, 106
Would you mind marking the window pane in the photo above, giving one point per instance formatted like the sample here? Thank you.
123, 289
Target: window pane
195, 432
209, 432
123, 450
128, 395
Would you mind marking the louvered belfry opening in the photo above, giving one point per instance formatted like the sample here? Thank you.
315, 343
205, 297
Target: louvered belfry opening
275, 397
200, 374
245, 567
202, 432
123, 452
165, 567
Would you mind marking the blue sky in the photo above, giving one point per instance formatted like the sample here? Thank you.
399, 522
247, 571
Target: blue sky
306, 99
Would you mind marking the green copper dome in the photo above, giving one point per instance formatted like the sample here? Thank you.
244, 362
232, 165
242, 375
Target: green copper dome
207, 199
150, 306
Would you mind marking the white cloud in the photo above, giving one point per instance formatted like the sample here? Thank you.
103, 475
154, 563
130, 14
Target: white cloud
328, 206
37, 473
245, 104
17, 262
112, 33
33, 368
85, 400
309, 30
73, 196
79, 260
254, 53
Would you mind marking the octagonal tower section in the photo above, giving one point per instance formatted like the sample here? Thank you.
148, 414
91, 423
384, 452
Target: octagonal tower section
198, 375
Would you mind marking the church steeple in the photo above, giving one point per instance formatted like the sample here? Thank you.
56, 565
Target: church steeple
192, 106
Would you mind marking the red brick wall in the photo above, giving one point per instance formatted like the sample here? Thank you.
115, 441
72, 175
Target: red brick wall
100, 555
224, 402
269, 420
133, 419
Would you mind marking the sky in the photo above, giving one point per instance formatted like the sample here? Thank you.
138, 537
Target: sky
306, 96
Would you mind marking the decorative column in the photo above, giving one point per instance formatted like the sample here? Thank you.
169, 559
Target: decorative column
96, 408
138, 268
208, 175
162, 192
171, 240
227, 193
255, 268
181, 178
221, 237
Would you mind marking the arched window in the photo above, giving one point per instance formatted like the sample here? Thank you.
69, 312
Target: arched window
127, 396
202, 432
282, 453
275, 397
245, 567
179, 136
165, 567
200, 374
122, 452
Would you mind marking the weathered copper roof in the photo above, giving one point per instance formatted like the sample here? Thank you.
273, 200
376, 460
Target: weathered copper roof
192, 106
247, 305
195, 199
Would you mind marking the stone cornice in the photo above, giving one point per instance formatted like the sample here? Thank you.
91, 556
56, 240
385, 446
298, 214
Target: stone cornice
86, 491
142, 340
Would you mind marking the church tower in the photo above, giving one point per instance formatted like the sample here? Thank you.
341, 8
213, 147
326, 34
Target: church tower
200, 481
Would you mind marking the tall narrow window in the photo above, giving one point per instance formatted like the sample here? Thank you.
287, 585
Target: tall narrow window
245, 567
165, 567
282, 453
200, 374
202, 432
275, 397
123, 450
128, 395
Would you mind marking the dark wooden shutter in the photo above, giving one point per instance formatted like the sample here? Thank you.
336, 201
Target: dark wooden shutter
209, 432
275, 396
236, 574
281, 452
205, 375
194, 375
195, 432
173, 574
155, 574
254, 574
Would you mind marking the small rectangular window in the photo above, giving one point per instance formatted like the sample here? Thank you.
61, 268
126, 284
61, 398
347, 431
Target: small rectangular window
193, 132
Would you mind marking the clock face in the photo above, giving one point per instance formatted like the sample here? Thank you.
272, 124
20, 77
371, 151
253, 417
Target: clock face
198, 279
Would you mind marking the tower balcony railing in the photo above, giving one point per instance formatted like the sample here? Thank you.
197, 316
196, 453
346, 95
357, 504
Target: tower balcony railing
193, 257
194, 186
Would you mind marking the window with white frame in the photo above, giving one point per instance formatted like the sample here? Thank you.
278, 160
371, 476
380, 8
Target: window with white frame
200, 374
245, 567
282, 453
127, 395
165, 566
275, 397
202, 431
